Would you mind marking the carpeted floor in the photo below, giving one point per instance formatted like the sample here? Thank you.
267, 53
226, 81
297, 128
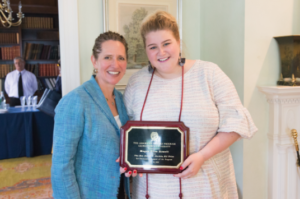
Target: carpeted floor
26, 178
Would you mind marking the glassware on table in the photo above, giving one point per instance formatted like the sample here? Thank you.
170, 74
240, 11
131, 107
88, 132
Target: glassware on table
2, 98
34, 101
28, 100
22, 99
3, 102
6, 106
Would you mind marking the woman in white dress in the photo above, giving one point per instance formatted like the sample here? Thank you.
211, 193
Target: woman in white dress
211, 109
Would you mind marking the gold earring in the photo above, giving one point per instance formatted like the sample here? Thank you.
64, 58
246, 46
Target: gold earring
95, 71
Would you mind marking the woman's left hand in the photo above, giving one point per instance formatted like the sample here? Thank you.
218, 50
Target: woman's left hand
194, 163
124, 169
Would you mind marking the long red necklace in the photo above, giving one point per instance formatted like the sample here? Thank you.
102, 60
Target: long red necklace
182, 83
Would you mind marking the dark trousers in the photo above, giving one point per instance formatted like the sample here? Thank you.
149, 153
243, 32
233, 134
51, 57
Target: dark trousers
121, 194
13, 101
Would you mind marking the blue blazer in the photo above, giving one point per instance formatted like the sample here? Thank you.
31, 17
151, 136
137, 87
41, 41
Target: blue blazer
86, 145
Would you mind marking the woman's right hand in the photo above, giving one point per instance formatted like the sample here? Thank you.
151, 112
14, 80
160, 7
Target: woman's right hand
128, 173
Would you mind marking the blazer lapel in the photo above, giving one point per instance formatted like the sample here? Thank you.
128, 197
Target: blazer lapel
96, 94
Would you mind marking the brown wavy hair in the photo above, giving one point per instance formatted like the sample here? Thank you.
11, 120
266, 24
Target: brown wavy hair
106, 36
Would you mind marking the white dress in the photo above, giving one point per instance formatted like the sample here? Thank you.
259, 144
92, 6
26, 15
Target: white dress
210, 105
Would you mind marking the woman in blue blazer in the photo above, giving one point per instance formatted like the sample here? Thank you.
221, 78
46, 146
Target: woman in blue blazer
87, 129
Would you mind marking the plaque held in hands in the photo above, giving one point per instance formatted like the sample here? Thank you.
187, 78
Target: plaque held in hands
154, 146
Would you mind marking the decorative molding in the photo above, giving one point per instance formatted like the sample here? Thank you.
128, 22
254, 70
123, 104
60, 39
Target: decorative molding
284, 147
280, 90
280, 137
284, 100
281, 94
283, 178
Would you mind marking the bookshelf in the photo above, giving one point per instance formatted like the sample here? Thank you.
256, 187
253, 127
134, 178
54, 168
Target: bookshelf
36, 40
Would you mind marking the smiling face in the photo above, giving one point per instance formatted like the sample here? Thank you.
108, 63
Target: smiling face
163, 51
111, 63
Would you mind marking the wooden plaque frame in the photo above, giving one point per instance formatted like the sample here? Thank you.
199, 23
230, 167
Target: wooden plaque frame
179, 126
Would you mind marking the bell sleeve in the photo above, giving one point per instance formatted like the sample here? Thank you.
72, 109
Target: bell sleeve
233, 117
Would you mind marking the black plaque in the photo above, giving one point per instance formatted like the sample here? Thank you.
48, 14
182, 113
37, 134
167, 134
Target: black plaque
154, 149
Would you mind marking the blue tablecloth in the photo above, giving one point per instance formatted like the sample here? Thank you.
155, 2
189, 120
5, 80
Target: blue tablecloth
25, 132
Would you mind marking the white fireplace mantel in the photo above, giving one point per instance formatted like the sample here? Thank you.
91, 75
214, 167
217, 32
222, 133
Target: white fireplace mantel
284, 115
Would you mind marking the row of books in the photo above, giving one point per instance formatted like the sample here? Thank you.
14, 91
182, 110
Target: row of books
38, 22
48, 82
9, 53
34, 68
40, 70
41, 51
9, 38
5, 69
48, 70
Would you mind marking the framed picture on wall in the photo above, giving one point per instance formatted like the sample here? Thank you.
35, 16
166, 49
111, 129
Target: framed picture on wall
125, 17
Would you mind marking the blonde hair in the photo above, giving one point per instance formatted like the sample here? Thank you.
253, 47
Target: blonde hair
160, 20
